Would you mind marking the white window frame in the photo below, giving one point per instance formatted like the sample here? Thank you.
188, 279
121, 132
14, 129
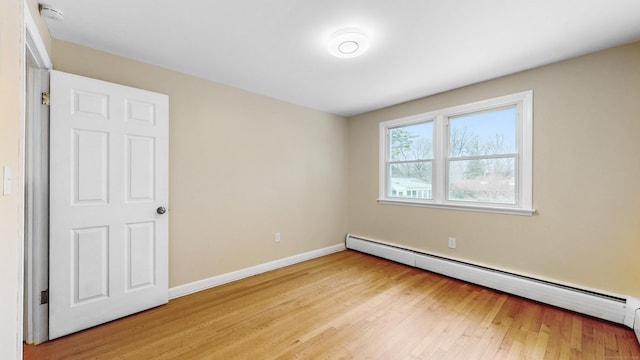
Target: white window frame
524, 159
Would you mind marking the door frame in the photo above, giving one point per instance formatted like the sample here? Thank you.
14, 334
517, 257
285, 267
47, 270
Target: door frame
36, 242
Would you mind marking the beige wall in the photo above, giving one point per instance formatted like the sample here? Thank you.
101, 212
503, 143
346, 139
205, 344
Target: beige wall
586, 179
11, 120
242, 166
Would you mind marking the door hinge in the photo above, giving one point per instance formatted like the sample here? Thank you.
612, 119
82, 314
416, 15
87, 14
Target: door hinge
44, 297
45, 99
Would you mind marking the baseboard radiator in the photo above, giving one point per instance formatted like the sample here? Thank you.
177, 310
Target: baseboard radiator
591, 303
636, 324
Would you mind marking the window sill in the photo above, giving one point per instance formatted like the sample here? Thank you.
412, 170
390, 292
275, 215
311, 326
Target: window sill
477, 208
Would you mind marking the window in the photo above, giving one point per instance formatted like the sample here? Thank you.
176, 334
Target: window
476, 156
411, 161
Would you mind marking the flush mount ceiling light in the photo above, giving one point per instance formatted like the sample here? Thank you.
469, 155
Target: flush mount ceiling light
348, 43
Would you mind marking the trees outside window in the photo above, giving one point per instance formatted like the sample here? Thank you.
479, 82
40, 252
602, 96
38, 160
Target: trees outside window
475, 156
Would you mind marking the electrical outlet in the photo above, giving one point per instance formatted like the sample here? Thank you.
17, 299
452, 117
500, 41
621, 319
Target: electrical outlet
277, 237
452, 243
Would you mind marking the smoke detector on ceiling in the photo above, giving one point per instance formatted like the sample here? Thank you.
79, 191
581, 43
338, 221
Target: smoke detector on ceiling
50, 13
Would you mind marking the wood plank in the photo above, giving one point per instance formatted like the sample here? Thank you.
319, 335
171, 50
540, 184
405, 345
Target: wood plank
348, 305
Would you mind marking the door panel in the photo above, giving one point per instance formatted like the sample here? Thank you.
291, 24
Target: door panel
90, 168
109, 173
140, 178
90, 256
140, 261
88, 105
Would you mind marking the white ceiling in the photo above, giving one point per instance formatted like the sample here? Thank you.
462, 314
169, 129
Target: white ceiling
278, 47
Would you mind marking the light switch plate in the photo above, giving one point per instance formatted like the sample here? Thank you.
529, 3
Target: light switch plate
6, 181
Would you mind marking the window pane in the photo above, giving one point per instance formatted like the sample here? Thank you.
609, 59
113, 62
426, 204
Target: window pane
484, 180
413, 142
410, 180
484, 133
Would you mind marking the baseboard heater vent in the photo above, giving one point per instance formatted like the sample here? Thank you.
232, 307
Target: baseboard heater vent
591, 303
636, 324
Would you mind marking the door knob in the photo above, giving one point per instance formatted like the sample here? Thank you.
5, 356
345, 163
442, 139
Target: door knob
161, 210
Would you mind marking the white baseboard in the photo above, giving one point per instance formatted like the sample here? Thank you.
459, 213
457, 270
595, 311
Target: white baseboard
604, 306
190, 288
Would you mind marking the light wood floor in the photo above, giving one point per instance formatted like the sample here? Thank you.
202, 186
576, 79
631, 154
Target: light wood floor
348, 306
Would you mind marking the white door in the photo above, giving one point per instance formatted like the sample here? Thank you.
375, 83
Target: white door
108, 197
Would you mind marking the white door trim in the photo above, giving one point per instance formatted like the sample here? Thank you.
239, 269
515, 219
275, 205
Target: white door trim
36, 208
35, 246
34, 45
